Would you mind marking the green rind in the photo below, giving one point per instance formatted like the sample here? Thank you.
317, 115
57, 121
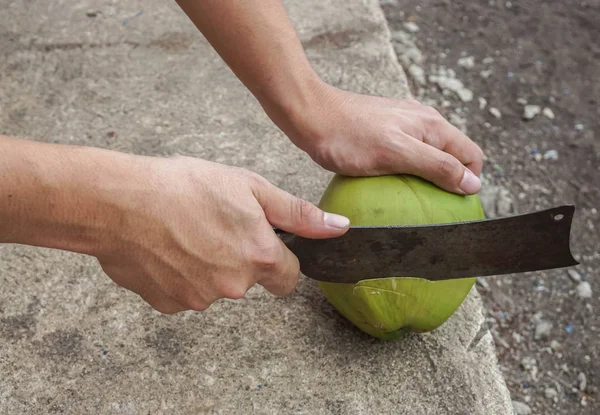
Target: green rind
389, 308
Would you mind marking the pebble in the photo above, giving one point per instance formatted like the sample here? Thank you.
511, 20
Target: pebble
529, 364
579, 127
495, 112
487, 60
496, 201
406, 49
486, 73
522, 101
584, 290
483, 283
575, 276
531, 111
550, 393
417, 73
458, 121
542, 329
582, 381
554, 345
467, 62
411, 27
449, 83
551, 155
482, 102
548, 113
521, 408
517, 337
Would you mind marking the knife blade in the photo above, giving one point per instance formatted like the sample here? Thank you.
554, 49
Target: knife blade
515, 244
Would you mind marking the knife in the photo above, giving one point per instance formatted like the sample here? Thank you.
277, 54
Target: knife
515, 244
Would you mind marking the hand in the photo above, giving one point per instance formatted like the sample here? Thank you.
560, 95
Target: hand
358, 135
200, 231
344, 132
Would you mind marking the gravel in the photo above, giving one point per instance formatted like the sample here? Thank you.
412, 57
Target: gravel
546, 160
574, 275
467, 62
542, 329
548, 113
530, 111
584, 290
582, 380
482, 103
417, 73
495, 112
521, 408
550, 393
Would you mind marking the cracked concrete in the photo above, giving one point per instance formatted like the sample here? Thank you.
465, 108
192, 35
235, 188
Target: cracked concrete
73, 342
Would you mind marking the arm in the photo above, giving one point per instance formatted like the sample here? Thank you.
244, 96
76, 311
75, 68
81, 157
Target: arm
347, 133
59, 196
141, 217
258, 42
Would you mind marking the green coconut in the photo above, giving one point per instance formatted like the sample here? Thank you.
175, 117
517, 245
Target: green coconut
388, 308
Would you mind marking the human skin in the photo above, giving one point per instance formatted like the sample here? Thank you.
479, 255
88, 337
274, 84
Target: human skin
351, 134
183, 232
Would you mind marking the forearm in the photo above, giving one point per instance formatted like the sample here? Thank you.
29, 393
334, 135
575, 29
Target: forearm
258, 42
59, 196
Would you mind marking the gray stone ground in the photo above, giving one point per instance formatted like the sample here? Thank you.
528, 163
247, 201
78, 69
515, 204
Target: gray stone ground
72, 342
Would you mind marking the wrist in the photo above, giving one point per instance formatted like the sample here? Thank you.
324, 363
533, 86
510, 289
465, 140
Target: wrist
298, 107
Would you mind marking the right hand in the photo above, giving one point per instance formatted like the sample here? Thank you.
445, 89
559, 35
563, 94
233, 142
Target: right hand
199, 231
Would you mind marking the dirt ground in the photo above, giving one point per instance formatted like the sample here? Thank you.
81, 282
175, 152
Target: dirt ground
512, 54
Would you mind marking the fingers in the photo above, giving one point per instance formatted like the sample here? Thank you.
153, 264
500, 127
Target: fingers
296, 215
284, 280
460, 146
440, 168
146, 288
444, 136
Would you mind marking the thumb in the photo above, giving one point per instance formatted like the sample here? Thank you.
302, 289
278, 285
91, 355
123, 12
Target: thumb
297, 215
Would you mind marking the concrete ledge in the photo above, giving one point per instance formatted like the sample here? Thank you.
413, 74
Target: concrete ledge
73, 342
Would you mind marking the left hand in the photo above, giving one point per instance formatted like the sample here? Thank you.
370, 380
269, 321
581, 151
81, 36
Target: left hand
360, 135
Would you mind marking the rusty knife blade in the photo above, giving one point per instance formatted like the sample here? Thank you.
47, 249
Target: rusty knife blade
509, 245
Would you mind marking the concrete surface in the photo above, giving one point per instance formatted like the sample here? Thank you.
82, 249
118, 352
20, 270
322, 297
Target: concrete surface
73, 342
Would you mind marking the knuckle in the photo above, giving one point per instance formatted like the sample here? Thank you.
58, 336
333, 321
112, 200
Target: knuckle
234, 292
290, 287
255, 180
301, 209
231, 288
432, 111
268, 257
197, 304
448, 166
479, 152
165, 308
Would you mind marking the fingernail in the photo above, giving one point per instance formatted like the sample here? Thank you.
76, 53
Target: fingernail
335, 221
470, 183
